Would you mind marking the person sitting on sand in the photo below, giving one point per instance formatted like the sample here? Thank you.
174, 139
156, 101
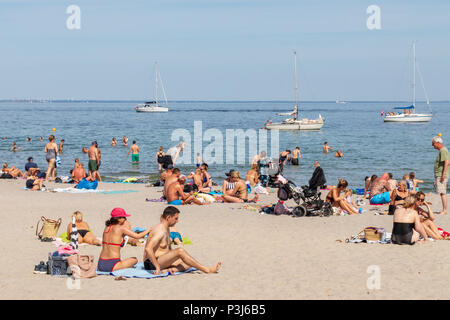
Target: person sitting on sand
76, 164
252, 175
13, 171
30, 164
426, 216
159, 255
85, 234
228, 184
368, 184
392, 181
407, 227
79, 173
176, 196
380, 191
338, 154
413, 182
197, 177
334, 197
33, 182
175, 173
398, 196
240, 193
115, 230
206, 179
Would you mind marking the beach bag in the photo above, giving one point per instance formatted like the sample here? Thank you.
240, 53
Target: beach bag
82, 266
57, 265
372, 234
49, 228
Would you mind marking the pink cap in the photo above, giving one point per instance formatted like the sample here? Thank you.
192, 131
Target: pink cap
119, 212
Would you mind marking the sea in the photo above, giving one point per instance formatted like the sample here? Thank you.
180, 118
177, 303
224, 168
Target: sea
369, 145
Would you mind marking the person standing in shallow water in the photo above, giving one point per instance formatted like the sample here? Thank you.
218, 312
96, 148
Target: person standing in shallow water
134, 149
296, 155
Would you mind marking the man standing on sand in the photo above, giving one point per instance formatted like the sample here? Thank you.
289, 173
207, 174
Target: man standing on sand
441, 171
159, 255
94, 159
134, 149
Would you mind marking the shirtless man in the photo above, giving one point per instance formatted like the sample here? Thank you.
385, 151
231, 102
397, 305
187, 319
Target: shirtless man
94, 159
326, 147
125, 141
239, 193
160, 256
166, 174
61, 144
198, 181
295, 156
134, 149
176, 196
78, 173
380, 190
175, 173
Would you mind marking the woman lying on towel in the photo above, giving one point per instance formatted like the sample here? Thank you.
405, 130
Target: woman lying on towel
115, 230
338, 201
85, 235
407, 227
13, 171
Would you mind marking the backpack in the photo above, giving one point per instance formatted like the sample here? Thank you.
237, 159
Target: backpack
283, 193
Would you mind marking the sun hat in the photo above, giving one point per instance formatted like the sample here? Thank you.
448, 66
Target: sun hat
119, 212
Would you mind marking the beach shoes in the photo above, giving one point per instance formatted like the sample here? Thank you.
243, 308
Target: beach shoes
40, 268
46, 240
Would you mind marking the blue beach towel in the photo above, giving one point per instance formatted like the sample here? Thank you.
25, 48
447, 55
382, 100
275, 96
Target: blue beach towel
138, 271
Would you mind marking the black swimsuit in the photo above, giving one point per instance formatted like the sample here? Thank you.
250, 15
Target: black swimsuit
402, 233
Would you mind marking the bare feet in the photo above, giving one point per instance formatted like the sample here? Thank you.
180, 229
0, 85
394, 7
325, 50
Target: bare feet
254, 199
443, 212
215, 268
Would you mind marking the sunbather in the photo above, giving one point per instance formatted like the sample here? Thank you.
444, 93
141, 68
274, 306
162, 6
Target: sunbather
13, 171
115, 230
252, 175
398, 196
338, 201
159, 255
176, 196
426, 216
85, 234
239, 193
407, 227
33, 182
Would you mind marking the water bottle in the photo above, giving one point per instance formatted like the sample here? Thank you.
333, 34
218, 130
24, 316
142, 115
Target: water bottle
383, 234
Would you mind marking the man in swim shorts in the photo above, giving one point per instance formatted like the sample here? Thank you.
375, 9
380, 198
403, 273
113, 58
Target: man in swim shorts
94, 159
296, 155
380, 190
134, 149
176, 196
159, 255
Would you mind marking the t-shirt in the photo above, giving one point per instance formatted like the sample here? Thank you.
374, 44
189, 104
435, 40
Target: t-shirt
439, 164
30, 165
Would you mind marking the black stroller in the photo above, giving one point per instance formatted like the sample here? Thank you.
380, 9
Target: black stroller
307, 199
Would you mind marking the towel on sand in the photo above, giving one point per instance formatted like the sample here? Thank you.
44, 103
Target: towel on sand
138, 271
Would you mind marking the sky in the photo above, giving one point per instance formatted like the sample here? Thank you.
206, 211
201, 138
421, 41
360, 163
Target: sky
223, 49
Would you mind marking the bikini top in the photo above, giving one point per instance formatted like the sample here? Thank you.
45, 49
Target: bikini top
113, 244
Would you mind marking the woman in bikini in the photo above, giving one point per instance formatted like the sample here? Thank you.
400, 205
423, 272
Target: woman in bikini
13, 171
159, 158
51, 151
407, 227
252, 175
115, 230
426, 216
85, 235
398, 196
338, 201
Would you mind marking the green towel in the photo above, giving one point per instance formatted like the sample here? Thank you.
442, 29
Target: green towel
63, 237
186, 240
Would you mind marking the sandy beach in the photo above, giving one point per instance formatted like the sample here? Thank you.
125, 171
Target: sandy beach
263, 256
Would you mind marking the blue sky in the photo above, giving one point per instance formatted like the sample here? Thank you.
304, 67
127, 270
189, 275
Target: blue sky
223, 49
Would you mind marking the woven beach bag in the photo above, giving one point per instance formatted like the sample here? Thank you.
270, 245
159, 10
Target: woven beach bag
371, 234
49, 228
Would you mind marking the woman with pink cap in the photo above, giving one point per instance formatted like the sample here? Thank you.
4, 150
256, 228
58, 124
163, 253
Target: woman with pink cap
115, 230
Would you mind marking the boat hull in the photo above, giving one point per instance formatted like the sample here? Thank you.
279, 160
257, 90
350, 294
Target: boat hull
409, 118
293, 126
141, 108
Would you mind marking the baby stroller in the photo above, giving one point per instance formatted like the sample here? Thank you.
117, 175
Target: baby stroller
308, 200
274, 171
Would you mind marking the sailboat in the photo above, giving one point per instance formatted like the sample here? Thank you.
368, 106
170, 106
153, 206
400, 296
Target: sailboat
153, 106
408, 113
294, 123
340, 102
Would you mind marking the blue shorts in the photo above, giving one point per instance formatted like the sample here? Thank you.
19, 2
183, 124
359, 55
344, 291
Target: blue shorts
175, 235
176, 202
381, 198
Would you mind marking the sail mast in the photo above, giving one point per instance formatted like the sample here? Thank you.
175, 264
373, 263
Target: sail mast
414, 73
296, 86
155, 94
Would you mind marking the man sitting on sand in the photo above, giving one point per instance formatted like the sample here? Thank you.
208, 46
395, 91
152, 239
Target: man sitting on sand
173, 177
380, 190
176, 196
239, 194
166, 174
160, 256
78, 173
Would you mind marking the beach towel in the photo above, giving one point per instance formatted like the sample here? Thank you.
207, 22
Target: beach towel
138, 271
444, 234
162, 199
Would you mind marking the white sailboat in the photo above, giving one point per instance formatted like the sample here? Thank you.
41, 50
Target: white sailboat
153, 106
408, 113
340, 102
294, 123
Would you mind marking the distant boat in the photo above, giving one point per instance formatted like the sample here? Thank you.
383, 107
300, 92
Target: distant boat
340, 102
153, 106
408, 113
294, 123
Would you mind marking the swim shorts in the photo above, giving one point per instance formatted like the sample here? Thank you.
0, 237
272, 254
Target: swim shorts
148, 265
381, 198
294, 161
135, 157
107, 265
176, 202
175, 235
92, 165
441, 188
29, 184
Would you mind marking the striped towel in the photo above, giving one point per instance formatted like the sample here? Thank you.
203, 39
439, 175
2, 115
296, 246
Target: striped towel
74, 235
